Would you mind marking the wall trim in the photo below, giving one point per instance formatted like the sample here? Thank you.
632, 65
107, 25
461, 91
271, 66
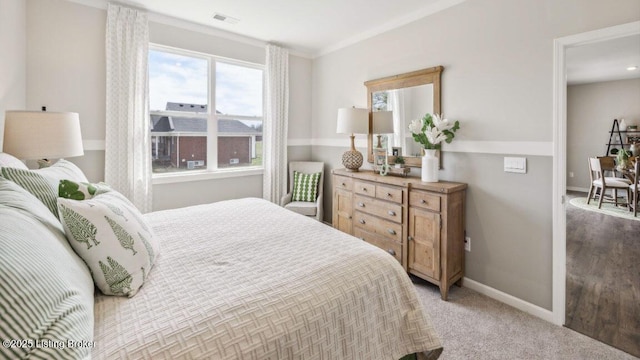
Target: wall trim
93, 145
533, 148
510, 300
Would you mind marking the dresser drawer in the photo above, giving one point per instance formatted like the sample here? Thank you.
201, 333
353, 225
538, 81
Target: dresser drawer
390, 246
379, 208
364, 188
378, 226
424, 200
389, 193
344, 183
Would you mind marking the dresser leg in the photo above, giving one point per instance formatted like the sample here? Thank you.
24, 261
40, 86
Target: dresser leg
459, 282
444, 291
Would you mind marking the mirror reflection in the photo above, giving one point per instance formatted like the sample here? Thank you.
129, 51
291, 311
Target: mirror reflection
405, 104
393, 102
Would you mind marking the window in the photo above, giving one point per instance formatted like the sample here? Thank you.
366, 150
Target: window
186, 133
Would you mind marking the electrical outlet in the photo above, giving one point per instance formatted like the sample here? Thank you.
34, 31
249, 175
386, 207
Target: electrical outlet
570, 174
467, 243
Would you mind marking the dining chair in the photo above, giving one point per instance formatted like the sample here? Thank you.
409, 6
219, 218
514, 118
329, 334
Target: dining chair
634, 188
602, 183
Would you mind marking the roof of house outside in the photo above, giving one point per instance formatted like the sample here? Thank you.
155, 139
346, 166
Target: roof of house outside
172, 106
176, 124
179, 124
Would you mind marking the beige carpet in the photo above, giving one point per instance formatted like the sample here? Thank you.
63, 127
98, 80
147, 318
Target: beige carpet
473, 326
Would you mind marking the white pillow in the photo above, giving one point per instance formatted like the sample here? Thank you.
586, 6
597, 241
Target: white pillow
11, 161
113, 239
43, 183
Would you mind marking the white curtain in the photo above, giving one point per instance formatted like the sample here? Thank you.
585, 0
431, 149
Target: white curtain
276, 120
127, 148
395, 103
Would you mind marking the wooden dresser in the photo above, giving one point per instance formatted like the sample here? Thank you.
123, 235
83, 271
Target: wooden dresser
420, 224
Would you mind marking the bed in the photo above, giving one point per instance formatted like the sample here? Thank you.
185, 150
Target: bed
238, 279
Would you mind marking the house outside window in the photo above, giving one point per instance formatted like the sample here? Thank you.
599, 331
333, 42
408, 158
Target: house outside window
186, 135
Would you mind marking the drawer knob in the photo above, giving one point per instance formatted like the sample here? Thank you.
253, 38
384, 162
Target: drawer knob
392, 252
343, 184
423, 201
362, 221
410, 238
350, 217
391, 231
361, 204
364, 189
389, 195
391, 213
361, 238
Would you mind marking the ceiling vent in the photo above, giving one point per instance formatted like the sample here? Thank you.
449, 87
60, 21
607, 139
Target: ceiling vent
225, 18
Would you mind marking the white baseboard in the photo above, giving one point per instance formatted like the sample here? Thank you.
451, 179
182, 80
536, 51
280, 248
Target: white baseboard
510, 300
575, 188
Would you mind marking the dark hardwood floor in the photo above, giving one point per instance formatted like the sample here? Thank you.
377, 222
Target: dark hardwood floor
603, 277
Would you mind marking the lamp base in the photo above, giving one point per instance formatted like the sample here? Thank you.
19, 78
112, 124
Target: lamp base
352, 160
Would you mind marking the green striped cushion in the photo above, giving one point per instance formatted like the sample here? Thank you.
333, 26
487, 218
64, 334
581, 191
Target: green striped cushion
46, 291
43, 183
305, 186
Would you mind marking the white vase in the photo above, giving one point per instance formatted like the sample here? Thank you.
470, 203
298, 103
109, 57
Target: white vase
622, 125
430, 166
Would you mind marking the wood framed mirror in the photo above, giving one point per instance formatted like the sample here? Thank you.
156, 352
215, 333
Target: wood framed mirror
408, 96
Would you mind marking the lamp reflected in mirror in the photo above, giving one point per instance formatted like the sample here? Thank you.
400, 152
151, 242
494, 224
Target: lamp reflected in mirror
382, 124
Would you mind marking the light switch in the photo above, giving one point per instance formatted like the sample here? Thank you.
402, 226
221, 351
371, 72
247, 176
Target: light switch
515, 165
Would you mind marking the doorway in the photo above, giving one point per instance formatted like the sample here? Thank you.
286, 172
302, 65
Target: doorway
560, 162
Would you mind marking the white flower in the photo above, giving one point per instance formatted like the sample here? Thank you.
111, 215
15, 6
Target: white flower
442, 124
416, 126
435, 135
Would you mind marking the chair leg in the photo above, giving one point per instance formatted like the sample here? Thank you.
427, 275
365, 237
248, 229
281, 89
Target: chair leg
590, 194
602, 190
615, 196
635, 200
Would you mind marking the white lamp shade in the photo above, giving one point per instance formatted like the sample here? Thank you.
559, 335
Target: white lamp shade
42, 135
353, 121
383, 122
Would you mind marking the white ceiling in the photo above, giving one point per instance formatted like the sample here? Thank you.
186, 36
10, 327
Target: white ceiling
312, 27
603, 61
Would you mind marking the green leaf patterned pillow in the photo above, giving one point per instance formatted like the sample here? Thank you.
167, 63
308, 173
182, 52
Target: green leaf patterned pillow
77, 190
305, 186
113, 238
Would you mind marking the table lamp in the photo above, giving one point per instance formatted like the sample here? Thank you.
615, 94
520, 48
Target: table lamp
382, 124
42, 135
352, 121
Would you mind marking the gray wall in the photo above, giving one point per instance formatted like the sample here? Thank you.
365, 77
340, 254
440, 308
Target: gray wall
497, 81
591, 109
65, 67
13, 57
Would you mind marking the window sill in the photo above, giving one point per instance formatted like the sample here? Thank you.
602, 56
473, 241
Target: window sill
204, 175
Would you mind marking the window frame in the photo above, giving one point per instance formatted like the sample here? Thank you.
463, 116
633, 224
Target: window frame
212, 170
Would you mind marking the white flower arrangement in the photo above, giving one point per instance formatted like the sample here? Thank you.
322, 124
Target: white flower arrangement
432, 130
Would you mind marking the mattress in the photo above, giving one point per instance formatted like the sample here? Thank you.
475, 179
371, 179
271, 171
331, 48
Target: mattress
246, 279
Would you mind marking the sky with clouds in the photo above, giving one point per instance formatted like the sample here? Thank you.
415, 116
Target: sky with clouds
183, 79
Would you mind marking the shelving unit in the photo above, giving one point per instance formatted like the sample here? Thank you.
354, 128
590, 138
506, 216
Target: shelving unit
617, 133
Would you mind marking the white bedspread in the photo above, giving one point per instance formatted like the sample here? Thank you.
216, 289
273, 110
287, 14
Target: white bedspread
246, 279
